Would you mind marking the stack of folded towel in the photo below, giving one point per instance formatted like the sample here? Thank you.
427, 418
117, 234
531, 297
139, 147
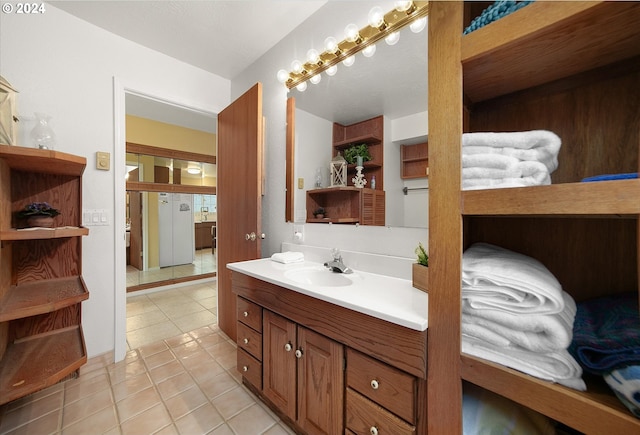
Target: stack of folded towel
515, 159
515, 313
288, 257
606, 341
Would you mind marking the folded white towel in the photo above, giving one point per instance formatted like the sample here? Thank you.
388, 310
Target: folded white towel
558, 366
497, 278
535, 145
534, 332
497, 183
288, 257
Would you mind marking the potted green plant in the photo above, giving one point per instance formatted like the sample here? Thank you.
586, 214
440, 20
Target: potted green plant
319, 213
420, 270
351, 153
38, 214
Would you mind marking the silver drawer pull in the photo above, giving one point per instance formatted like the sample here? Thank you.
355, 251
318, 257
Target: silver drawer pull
374, 384
245, 314
288, 347
373, 430
245, 368
245, 341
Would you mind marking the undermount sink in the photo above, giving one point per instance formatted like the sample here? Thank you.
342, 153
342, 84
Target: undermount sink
320, 277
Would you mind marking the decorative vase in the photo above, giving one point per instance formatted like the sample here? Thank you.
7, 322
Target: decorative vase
40, 221
420, 276
42, 134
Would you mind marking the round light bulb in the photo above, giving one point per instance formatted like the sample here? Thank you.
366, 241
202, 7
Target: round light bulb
403, 6
313, 56
392, 38
282, 76
332, 70
369, 51
349, 61
351, 33
302, 87
296, 66
418, 25
315, 79
331, 45
376, 17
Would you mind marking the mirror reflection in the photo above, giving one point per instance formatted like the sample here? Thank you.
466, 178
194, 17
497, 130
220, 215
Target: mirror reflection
392, 85
174, 234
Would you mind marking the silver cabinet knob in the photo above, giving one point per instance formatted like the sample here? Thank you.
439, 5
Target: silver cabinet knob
245, 314
374, 384
288, 347
245, 341
251, 236
298, 353
373, 430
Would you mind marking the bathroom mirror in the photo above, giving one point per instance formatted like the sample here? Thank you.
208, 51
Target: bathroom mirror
391, 83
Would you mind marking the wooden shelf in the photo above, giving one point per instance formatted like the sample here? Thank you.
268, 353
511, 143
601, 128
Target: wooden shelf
523, 49
347, 205
343, 144
43, 233
40, 361
608, 198
42, 161
414, 161
38, 297
595, 411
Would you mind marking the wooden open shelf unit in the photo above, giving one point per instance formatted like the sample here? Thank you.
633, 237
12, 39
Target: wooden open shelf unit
347, 205
41, 284
414, 161
572, 68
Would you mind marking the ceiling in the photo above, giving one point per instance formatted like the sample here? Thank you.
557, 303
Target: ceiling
205, 34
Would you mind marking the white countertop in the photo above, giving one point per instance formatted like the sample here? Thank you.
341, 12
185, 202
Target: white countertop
380, 296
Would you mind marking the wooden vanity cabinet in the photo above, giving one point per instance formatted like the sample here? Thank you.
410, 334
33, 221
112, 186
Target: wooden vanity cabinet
302, 375
319, 362
249, 341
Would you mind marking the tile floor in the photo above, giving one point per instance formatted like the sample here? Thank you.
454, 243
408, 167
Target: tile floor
182, 380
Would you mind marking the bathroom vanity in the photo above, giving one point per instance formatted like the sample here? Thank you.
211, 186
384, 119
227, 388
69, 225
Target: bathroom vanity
333, 353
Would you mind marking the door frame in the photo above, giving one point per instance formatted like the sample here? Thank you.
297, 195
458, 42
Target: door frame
121, 87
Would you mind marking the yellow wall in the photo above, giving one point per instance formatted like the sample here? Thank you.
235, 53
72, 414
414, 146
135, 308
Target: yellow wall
158, 134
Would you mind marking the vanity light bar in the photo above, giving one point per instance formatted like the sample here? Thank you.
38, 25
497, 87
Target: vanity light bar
368, 35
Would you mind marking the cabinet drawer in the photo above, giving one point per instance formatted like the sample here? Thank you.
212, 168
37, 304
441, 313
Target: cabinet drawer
250, 340
385, 385
250, 368
250, 314
363, 415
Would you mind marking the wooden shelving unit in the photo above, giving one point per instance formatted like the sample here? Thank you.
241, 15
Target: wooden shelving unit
347, 205
414, 161
568, 67
41, 285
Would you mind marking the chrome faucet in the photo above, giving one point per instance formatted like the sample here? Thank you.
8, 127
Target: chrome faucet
337, 265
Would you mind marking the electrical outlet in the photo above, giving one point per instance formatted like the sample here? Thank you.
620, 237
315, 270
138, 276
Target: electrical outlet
300, 183
103, 161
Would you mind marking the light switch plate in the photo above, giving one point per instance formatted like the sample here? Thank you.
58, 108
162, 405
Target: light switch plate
300, 183
103, 161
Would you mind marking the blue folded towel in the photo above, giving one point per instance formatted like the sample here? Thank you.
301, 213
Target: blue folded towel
606, 333
608, 177
625, 383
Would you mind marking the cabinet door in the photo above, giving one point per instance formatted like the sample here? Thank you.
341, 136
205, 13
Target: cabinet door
320, 383
279, 362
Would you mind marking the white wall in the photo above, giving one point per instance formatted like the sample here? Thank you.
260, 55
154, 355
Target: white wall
330, 20
65, 67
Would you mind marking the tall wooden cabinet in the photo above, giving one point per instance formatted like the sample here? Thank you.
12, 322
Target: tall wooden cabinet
41, 284
572, 68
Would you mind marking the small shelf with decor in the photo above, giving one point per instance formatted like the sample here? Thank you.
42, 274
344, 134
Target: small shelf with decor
41, 284
414, 161
347, 205
369, 132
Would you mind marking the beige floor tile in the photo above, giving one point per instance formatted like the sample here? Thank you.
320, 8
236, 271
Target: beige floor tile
218, 385
80, 409
32, 398
80, 388
196, 358
152, 348
211, 340
100, 422
279, 429
166, 371
168, 430
137, 305
147, 422
146, 319
175, 385
32, 410
158, 359
152, 334
131, 386
253, 420
233, 401
209, 303
206, 370
195, 320
186, 349
201, 421
223, 429
185, 402
137, 403
128, 371
179, 340
45, 425
180, 309
199, 292
202, 332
